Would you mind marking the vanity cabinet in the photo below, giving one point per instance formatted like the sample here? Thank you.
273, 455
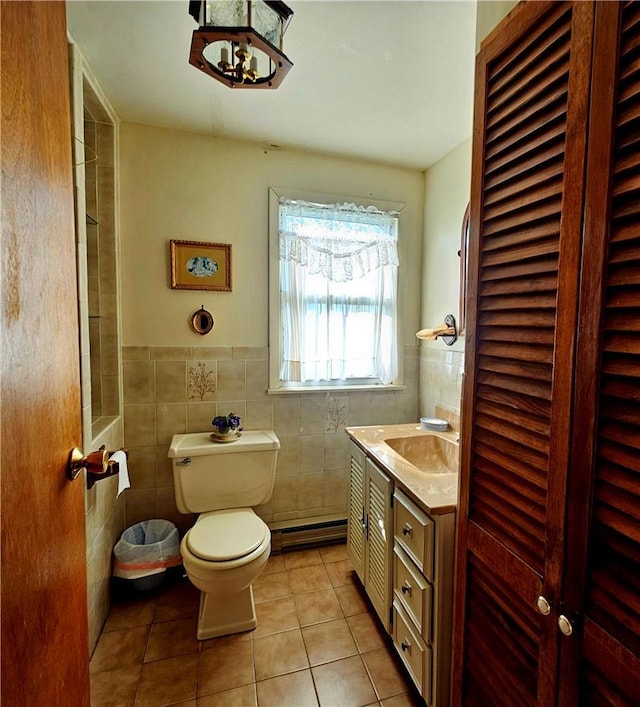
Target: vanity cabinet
547, 606
404, 559
423, 595
370, 530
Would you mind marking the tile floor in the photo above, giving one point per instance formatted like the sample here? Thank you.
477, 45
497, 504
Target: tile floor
318, 642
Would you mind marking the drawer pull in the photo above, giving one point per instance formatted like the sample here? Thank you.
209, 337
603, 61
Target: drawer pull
406, 587
407, 530
405, 645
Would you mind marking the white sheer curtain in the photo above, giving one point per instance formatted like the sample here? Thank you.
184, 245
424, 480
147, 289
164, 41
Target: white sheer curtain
338, 292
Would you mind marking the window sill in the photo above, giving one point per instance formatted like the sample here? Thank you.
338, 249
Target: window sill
335, 388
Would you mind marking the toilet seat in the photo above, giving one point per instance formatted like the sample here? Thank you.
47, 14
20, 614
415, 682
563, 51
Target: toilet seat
222, 536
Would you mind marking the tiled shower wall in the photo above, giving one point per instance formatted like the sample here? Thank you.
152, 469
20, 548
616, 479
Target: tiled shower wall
173, 390
95, 168
440, 378
104, 522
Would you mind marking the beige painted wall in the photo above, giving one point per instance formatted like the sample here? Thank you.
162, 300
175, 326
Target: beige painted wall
488, 14
447, 186
186, 186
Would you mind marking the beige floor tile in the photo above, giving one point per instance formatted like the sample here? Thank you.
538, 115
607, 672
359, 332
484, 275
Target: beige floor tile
301, 558
181, 599
164, 682
328, 641
244, 696
343, 683
170, 638
367, 632
275, 563
119, 649
226, 641
279, 653
334, 553
137, 612
308, 579
275, 616
341, 573
271, 586
406, 699
315, 607
115, 688
352, 599
294, 689
223, 667
315, 589
385, 673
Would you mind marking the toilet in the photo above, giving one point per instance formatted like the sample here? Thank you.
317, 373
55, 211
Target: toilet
229, 545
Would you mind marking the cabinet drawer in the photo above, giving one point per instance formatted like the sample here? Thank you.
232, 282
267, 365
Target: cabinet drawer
414, 652
413, 592
413, 530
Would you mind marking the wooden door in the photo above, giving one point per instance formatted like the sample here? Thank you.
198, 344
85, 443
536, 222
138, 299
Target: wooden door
44, 594
602, 575
532, 81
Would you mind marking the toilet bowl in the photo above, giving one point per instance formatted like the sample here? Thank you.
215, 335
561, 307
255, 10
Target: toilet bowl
229, 545
223, 554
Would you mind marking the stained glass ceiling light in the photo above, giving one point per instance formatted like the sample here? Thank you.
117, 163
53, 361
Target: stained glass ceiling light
239, 42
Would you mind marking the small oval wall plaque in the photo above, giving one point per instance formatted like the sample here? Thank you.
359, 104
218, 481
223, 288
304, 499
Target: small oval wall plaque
202, 321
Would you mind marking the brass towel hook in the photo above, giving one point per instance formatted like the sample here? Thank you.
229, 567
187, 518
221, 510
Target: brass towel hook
447, 331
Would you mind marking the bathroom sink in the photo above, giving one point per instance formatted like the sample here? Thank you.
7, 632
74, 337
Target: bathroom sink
429, 453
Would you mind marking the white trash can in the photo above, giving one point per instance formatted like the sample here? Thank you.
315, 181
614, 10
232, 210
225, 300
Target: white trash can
145, 551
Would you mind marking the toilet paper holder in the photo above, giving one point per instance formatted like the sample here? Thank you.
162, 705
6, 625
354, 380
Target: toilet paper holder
97, 464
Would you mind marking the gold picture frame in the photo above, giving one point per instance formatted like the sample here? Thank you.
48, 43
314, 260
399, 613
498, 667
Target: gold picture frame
198, 265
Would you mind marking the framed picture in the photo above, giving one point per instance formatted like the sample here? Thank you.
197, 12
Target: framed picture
197, 265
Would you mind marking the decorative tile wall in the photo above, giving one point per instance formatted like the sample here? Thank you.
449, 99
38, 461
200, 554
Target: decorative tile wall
173, 390
441, 372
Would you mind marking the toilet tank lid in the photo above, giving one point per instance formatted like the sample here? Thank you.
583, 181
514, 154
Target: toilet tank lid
200, 444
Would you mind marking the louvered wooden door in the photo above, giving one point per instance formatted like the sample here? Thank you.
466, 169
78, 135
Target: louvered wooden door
526, 224
602, 575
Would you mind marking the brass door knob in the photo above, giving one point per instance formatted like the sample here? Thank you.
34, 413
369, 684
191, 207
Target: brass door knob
95, 462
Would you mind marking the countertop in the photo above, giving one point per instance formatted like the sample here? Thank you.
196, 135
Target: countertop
436, 493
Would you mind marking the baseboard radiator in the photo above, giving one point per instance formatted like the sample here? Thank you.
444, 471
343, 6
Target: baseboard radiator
309, 535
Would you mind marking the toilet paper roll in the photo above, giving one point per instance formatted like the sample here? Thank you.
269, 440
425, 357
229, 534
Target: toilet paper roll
123, 475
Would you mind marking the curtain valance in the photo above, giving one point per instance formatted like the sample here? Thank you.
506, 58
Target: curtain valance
339, 241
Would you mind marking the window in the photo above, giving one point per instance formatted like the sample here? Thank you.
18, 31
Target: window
334, 318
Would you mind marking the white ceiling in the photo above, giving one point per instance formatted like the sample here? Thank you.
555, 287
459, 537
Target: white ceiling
389, 80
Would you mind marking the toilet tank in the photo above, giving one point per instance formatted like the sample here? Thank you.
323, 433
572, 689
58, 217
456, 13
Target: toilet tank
211, 476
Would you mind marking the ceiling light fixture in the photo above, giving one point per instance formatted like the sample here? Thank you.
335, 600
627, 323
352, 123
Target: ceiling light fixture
240, 42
